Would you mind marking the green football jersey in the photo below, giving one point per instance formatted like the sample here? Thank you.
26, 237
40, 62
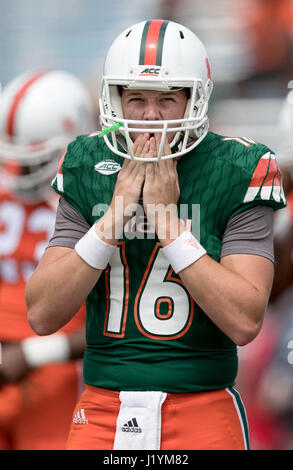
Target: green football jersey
143, 329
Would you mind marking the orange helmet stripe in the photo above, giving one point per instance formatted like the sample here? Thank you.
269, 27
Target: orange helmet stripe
10, 125
151, 48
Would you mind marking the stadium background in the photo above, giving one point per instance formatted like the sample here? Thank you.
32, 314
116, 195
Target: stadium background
250, 45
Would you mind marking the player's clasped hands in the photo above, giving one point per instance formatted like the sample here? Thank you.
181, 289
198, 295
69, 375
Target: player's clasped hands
156, 181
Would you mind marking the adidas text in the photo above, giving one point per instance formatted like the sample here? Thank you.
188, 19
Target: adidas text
131, 429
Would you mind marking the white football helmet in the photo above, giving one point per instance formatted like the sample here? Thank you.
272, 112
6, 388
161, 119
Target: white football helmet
40, 114
156, 55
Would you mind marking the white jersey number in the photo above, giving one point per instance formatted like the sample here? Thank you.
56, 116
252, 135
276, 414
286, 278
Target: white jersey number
157, 289
14, 220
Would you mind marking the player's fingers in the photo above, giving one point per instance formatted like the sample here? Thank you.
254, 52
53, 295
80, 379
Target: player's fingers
150, 172
139, 170
167, 148
146, 148
141, 148
124, 169
167, 164
164, 165
139, 144
152, 167
159, 167
128, 171
140, 173
175, 171
152, 148
137, 173
158, 138
169, 167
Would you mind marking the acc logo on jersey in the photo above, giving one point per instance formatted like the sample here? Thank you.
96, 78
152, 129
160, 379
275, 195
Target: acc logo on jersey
107, 167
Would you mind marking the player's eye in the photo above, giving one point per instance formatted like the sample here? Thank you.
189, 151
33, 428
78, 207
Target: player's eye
136, 100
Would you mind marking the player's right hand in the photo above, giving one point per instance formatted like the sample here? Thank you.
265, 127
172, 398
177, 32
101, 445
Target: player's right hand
126, 194
131, 178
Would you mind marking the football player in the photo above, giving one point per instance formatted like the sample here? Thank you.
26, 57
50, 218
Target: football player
40, 113
176, 261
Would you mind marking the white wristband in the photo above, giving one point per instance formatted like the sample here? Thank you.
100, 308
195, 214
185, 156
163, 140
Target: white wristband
93, 250
183, 251
39, 351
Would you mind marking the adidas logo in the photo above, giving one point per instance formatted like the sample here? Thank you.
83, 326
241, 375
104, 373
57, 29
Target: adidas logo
131, 426
79, 417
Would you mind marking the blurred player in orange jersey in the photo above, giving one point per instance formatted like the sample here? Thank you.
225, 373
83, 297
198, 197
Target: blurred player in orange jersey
39, 376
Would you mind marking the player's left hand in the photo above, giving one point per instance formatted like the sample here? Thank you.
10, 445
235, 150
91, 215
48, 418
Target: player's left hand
14, 366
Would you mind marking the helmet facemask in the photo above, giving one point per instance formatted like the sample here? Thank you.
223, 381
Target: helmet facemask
189, 130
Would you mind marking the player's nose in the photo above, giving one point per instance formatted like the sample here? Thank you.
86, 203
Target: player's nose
152, 112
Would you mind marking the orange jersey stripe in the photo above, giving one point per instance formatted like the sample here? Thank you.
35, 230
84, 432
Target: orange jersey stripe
61, 163
272, 174
259, 173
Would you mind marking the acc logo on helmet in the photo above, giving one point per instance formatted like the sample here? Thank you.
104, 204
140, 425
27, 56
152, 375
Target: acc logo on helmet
150, 71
